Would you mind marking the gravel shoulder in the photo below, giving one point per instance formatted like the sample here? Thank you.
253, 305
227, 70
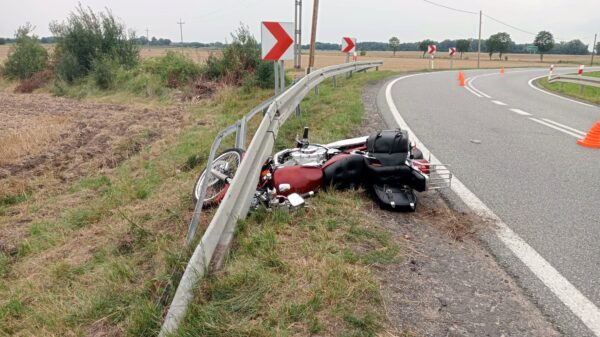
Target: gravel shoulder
447, 284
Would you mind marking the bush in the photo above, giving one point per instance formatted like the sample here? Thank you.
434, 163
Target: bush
34, 82
174, 69
27, 57
86, 38
239, 58
2, 41
265, 75
103, 73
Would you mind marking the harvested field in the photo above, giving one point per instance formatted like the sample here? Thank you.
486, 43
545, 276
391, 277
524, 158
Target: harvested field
403, 61
45, 140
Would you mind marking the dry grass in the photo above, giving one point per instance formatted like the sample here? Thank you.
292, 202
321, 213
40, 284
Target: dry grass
403, 61
37, 134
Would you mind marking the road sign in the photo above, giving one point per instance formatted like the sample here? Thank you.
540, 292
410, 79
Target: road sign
431, 49
532, 49
452, 51
580, 72
276, 40
348, 44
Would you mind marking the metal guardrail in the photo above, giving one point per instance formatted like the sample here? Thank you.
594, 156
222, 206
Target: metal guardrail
236, 203
577, 79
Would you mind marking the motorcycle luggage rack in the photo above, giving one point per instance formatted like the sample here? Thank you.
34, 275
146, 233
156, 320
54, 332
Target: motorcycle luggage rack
439, 177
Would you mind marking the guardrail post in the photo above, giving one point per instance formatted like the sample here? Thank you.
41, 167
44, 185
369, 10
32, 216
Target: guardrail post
298, 110
317, 90
334, 80
240, 135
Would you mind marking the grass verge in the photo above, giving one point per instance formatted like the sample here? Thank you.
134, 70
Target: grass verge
306, 272
585, 93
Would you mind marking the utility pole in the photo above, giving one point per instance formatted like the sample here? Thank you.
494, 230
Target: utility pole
148, 37
479, 42
181, 23
594, 51
313, 35
298, 35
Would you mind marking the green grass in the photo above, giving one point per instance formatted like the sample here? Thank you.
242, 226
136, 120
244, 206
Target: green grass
589, 94
308, 271
105, 249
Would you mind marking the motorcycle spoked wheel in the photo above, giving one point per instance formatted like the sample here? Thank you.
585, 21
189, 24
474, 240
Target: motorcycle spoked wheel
226, 163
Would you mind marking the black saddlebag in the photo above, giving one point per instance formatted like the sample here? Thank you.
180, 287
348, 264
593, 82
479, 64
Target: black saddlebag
395, 198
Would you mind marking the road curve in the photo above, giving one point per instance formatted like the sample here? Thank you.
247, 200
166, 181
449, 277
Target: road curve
514, 146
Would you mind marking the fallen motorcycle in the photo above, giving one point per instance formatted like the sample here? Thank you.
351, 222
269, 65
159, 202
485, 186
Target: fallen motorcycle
385, 163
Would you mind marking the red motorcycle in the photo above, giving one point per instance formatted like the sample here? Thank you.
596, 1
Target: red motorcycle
385, 163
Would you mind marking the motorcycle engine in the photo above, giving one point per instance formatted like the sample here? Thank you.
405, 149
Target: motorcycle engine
309, 155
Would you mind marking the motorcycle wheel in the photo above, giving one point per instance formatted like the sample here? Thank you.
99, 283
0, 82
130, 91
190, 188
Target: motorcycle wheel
226, 163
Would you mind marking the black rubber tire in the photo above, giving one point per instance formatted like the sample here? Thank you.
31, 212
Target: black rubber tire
219, 196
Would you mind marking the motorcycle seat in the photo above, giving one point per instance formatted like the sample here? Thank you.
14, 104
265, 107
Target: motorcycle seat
344, 171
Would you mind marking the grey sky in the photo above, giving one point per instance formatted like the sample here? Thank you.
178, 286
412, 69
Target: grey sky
376, 20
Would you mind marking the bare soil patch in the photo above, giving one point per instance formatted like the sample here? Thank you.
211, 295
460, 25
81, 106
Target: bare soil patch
46, 140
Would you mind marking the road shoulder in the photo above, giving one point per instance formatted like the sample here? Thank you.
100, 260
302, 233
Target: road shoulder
447, 284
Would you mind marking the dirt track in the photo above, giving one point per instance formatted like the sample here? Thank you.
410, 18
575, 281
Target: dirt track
48, 139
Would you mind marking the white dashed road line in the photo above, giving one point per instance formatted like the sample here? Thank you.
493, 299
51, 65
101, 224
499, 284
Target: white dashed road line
520, 112
498, 102
564, 126
578, 136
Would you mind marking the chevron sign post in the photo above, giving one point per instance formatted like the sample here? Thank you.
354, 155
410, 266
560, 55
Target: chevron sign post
348, 47
451, 53
431, 49
276, 41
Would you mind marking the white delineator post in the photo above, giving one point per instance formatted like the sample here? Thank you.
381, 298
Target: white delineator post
551, 71
580, 73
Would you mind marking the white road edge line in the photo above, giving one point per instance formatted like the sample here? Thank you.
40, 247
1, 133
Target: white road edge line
472, 91
472, 87
564, 126
556, 128
520, 112
580, 305
498, 102
551, 94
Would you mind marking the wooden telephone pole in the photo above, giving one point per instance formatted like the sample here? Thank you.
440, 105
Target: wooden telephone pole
313, 36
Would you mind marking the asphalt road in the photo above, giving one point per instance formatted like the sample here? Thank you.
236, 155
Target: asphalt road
515, 148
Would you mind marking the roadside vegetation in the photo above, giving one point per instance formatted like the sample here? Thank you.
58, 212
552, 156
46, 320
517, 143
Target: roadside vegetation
588, 93
306, 272
95, 55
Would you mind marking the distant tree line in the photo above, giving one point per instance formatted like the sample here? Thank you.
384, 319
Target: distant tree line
573, 47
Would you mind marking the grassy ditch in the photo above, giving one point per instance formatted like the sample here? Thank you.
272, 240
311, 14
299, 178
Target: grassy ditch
589, 94
305, 272
97, 256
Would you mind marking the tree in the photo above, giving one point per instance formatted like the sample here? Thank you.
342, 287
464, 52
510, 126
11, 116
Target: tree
424, 45
498, 43
394, 44
544, 41
27, 56
87, 37
2, 41
463, 46
597, 48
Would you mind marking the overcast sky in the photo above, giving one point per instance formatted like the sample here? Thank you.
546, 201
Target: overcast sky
375, 20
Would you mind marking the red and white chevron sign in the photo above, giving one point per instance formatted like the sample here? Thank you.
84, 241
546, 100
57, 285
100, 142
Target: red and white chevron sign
348, 44
276, 40
431, 49
452, 51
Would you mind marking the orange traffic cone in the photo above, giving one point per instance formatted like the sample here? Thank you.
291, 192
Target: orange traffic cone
461, 79
502, 71
592, 139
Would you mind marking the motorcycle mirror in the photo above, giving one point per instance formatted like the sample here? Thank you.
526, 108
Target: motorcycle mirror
295, 200
284, 188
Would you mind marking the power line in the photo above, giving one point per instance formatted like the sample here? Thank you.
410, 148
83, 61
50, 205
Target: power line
507, 25
451, 8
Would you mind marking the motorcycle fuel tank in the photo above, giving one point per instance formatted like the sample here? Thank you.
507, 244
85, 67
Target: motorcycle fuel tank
301, 179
